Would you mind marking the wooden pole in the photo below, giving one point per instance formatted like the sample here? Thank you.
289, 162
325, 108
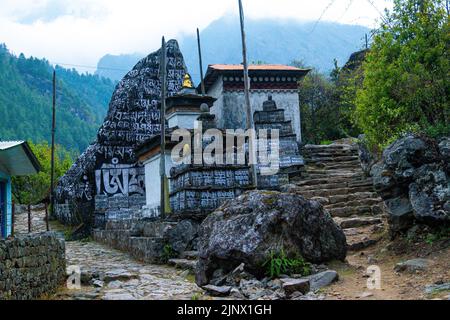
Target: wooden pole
52, 165
200, 62
29, 218
46, 218
367, 42
162, 168
248, 110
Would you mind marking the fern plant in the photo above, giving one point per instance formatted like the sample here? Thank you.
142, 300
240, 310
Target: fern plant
278, 263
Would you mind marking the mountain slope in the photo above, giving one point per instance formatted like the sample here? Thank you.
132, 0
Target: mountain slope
269, 41
26, 99
116, 67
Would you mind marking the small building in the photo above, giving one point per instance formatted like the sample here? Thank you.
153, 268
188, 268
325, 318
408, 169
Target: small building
225, 83
16, 159
182, 111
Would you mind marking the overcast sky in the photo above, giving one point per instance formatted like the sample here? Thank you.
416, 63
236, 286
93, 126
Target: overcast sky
82, 31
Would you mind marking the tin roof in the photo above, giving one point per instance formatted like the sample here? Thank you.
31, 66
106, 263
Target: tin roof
264, 67
17, 159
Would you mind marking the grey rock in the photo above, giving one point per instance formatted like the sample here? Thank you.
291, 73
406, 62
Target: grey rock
322, 279
119, 296
310, 296
412, 265
98, 283
413, 180
274, 284
252, 289
401, 216
115, 284
444, 149
236, 293
366, 295
255, 224
216, 291
295, 285
182, 235
183, 263
119, 274
430, 289
430, 195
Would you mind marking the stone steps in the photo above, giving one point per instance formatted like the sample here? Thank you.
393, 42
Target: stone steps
362, 237
354, 203
356, 222
333, 176
350, 211
330, 159
320, 181
352, 197
333, 192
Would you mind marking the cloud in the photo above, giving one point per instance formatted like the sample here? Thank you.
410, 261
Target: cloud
82, 31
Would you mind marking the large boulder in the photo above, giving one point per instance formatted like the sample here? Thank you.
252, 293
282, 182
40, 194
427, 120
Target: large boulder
413, 180
251, 227
182, 236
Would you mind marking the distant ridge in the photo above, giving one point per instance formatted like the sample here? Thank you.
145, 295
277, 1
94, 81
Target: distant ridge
269, 41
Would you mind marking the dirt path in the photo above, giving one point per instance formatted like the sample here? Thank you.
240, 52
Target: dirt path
108, 274
120, 277
117, 276
394, 285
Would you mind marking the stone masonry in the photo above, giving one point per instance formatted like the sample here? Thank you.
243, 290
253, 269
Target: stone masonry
334, 177
31, 266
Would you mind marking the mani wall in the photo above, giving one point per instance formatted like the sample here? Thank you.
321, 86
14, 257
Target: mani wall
106, 182
31, 266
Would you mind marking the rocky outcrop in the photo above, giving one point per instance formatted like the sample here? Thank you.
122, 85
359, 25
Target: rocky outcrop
251, 227
413, 180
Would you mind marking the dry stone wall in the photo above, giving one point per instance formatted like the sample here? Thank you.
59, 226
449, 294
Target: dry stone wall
31, 266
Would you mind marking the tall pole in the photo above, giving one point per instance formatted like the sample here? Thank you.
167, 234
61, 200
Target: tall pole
201, 62
248, 110
52, 164
162, 168
367, 42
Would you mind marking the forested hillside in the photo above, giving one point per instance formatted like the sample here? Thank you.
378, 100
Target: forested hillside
26, 99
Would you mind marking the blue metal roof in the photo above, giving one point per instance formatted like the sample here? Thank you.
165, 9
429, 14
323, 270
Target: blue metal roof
17, 159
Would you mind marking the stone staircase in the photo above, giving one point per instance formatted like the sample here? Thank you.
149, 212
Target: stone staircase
334, 177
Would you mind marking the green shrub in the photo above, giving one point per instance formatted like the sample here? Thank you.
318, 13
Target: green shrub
168, 253
278, 264
406, 86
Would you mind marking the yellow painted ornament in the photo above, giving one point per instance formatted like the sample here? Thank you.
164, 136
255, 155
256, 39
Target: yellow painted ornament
187, 81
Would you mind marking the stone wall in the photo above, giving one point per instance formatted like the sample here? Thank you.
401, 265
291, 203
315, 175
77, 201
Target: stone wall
146, 240
31, 266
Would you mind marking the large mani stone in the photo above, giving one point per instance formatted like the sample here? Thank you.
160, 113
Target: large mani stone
109, 166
